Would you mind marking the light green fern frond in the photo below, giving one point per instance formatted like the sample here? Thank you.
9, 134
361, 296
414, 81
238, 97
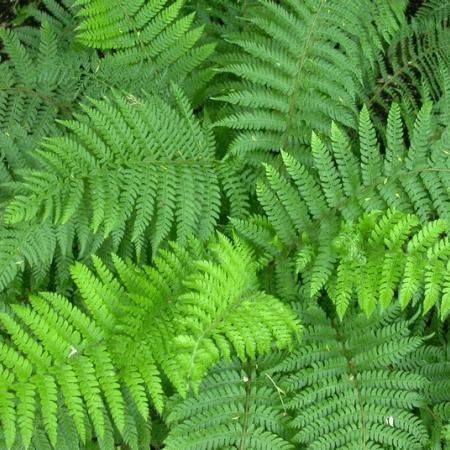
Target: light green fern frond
104, 362
383, 254
343, 391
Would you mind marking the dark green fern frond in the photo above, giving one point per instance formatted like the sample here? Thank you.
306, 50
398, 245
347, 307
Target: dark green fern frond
142, 31
433, 8
299, 62
409, 72
343, 390
60, 14
433, 363
26, 247
389, 17
239, 407
128, 162
35, 88
40, 82
220, 17
104, 362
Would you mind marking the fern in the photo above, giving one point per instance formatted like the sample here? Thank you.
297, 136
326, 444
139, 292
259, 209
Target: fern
176, 318
23, 247
410, 71
435, 366
299, 63
140, 32
186, 186
330, 217
37, 86
343, 391
135, 174
239, 406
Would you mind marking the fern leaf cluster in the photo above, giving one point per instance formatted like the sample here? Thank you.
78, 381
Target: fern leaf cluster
134, 188
104, 362
225, 225
350, 222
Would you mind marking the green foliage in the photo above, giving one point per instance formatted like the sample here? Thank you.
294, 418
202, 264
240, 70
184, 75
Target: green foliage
410, 72
37, 85
177, 177
136, 181
239, 406
348, 225
380, 255
344, 389
145, 36
104, 362
119, 139
301, 66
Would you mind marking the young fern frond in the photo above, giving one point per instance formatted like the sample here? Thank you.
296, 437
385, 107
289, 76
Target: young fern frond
122, 165
383, 254
343, 389
239, 406
105, 360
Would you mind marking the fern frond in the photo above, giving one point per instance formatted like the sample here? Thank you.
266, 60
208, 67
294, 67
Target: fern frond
299, 67
26, 247
343, 391
239, 406
409, 72
142, 32
329, 217
105, 360
121, 164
